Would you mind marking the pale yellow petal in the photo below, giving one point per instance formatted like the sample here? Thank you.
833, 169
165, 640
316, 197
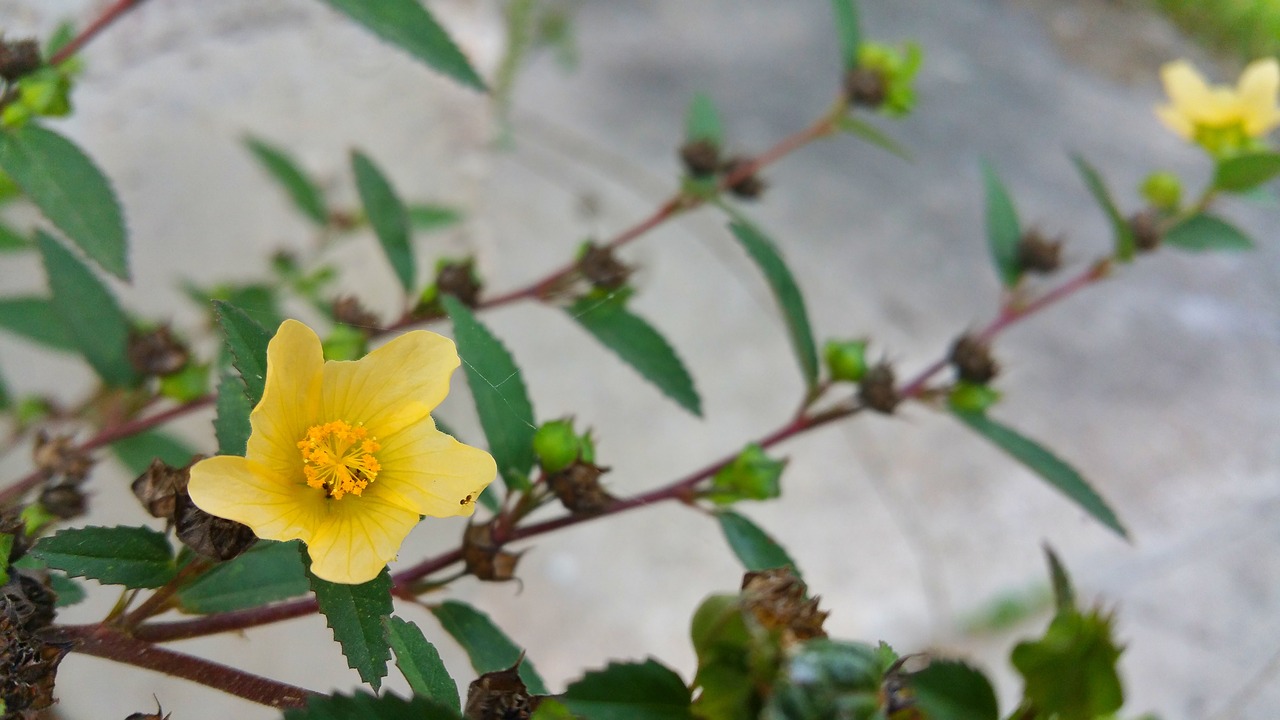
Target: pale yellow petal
1179, 123
359, 537
291, 401
248, 492
429, 472
1258, 89
1185, 86
392, 387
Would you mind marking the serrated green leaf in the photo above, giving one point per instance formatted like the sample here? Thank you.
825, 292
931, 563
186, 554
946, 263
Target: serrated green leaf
370, 707
1003, 230
952, 690
1241, 173
137, 451
846, 16
425, 217
89, 312
1045, 464
387, 215
502, 402
753, 546
486, 645
356, 614
34, 319
702, 122
247, 341
872, 134
638, 344
1070, 673
286, 171
135, 557
268, 572
1125, 246
409, 26
231, 423
71, 192
787, 293
629, 691
12, 241
420, 663
1203, 232
1064, 596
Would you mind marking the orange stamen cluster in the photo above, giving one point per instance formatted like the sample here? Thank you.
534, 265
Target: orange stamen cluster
338, 458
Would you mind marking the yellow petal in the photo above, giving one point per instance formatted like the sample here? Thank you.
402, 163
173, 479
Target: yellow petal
392, 387
430, 473
1179, 123
248, 492
1258, 89
359, 537
291, 401
1185, 86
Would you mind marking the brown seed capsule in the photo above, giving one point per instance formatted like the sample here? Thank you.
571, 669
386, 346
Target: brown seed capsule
18, 58
1146, 230
209, 535
878, 389
459, 280
28, 666
748, 187
1037, 254
500, 695
579, 489
28, 595
972, 360
157, 353
602, 269
63, 501
866, 87
779, 600
58, 456
484, 558
348, 310
158, 488
700, 157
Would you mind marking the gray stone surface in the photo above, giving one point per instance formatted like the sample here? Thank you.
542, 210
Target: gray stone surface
1159, 384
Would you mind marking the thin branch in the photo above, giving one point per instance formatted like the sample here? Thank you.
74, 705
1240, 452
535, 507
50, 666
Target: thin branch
108, 16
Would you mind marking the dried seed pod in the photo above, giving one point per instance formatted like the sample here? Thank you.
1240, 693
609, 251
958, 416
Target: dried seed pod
1038, 254
972, 360
58, 456
700, 157
749, 187
158, 488
459, 280
64, 501
486, 559
30, 598
28, 666
878, 389
602, 269
209, 535
779, 600
1146, 230
18, 58
500, 695
348, 310
866, 87
579, 489
156, 353
150, 716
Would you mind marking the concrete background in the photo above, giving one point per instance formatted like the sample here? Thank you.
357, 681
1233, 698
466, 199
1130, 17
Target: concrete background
1159, 385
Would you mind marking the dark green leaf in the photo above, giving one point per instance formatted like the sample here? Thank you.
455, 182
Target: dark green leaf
356, 614
785, 290
1045, 464
1063, 595
1124, 240
951, 690
425, 217
34, 318
639, 345
6, 399
753, 546
1204, 232
247, 341
846, 13
11, 240
370, 707
408, 25
89, 312
873, 135
387, 216
268, 572
629, 691
488, 647
702, 122
502, 401
137, 451
135, 557
231, 424
70, 190
420, 663
1241, 173
1070, 673
1003, 229
304, 193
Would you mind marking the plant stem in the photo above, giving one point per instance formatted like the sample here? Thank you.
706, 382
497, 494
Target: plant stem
159, 600
108, 16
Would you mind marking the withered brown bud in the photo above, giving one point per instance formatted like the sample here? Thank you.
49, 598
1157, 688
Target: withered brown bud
348, 310
486, 559
1038, 254
866, 87
972, 360
579, 489
749, 187
158, 488
700, 157
11, 523
459, 280
18, 58
1146, 230
156, 352
58, 456
602, 269
63, 501
209, 535
500, 695
30, 598
878, 389
779, 600
150, 716
28, 666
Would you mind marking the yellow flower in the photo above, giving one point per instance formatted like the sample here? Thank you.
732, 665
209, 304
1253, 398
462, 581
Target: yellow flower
344, 455
1220, 118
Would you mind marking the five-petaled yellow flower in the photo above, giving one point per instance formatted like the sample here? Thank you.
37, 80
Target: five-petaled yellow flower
1221, 118
344, 455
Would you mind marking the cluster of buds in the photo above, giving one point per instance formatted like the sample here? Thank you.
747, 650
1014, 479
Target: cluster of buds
162, 490
453, 277
602, 268
31, 88
1038, 254
156, 353
64, 468
702, 161
567, 460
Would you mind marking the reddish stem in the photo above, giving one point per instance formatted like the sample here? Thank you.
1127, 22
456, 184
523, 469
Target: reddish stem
108, 16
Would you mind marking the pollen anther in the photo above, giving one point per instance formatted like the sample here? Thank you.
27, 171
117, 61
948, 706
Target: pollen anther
339, 458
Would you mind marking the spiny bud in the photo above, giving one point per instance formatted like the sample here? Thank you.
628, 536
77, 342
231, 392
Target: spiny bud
599, 266
846, 359
971, 357
556, 445
209, 535
748, 187
1145, 227
1038, 254
57, 456
348, 310
158, 488
779, 600
459, 280
700, 157
155, 353
500, 695
486, 559
878, 389
579, 489
1163, 190
63, 501
18, 58
866, 86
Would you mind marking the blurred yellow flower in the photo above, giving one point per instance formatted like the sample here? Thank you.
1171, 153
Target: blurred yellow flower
1221, 118
344, 455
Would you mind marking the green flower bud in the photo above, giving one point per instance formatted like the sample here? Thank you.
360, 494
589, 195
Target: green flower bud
846, 359
345, 343
752, 475
1163, 190
884, 77
557, 445
972, 397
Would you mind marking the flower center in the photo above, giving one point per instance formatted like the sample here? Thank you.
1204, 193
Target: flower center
339, 458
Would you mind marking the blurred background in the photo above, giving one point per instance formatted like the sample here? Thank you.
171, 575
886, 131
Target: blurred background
1160, 385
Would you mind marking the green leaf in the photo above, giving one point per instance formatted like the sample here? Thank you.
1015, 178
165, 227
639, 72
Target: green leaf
872, 134
247, 341
952, 690
753, 546
35, 319
387, 216
1064, 596
12, 241
488, 647
638, 344
407, 25
268, 572
89, 312
356, 614
550, 709
231, 423
6, 398
420, 663
70, 190
1045, 464
1241, 173
6, 547
785, 290
135, 557
502, 401
1070, 673
702, 122
425, 217
371, 707
1124, 240
846, 12
629, 691
137, 451
286, 171
1204, 232
1003, 230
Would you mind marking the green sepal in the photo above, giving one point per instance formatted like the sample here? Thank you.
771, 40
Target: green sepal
973, 397
752, 475
1070, 673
